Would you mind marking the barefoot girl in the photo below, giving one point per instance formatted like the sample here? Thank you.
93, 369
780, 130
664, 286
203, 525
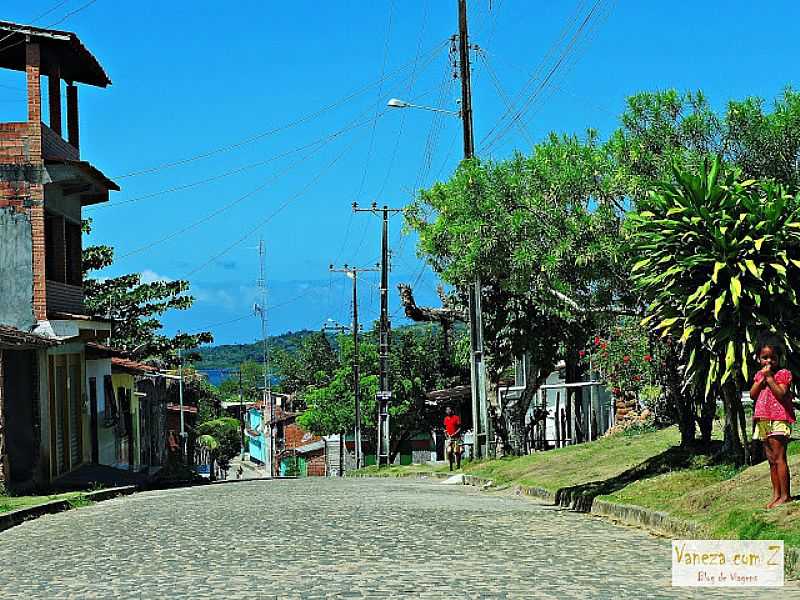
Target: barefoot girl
773, 418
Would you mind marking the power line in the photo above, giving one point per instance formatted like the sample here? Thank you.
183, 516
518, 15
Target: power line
378, 101
49, 10
61, 20
69, 14
412, 80
241, 169
269, 217
299, 121
224, 208
591, 34
543, 84
504, 97
536, 74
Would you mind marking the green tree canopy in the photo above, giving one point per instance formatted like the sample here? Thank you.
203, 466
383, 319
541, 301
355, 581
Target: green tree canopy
542, 234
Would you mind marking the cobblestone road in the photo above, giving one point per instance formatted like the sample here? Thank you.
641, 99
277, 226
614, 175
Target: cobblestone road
317, 538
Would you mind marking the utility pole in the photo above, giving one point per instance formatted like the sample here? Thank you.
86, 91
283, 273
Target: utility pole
338, 328
385, 394
477, 368
352, 273
180, 401
267, 415
241, 414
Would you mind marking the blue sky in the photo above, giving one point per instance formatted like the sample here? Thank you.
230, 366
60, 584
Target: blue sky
227, 122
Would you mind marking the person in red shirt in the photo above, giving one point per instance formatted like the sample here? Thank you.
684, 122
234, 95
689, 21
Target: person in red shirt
452, 428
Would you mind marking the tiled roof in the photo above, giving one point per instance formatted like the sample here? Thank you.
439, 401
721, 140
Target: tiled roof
12, 338
77, 63
131, 366
187, 408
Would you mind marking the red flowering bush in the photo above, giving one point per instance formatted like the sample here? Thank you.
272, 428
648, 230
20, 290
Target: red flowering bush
624, 358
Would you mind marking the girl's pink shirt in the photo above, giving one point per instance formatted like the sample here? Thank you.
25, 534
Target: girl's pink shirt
768, 407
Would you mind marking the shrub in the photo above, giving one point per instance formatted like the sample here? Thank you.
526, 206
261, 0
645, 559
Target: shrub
227, 434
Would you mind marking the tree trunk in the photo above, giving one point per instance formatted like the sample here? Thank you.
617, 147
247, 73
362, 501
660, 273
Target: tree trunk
514, 411
708, 410
735, 441
394, 451
679, 401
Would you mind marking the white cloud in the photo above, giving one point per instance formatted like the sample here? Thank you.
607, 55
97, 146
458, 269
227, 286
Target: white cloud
149, 276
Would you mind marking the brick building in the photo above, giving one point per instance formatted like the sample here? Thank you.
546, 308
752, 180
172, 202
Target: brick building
44, 185
298, 450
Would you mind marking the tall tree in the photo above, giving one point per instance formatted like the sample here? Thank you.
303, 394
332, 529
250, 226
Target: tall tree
313, 364
720, 265
541, 232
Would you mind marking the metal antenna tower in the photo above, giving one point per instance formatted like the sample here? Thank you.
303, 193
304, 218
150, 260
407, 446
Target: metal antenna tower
268, 415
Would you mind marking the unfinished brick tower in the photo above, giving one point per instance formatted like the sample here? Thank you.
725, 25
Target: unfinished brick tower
44, 185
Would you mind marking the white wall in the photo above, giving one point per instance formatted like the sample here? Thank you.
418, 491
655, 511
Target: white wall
107, 449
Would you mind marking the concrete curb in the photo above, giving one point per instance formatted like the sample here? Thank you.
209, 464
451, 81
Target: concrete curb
17, 517
419, 475
224, 481
656, 522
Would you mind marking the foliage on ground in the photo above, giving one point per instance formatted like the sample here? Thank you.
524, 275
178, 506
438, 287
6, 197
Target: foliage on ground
227, 435
9, 503
580, 464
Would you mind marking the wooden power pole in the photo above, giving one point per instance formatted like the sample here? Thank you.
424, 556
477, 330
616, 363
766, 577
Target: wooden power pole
384, 396
353, 272
477, 367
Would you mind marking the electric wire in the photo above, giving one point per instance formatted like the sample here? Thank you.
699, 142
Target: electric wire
377, 102
296, 122
415, 73
51, 25
544, 82
269, 217
536, 74
175, 233
320, 144
504, 97
238, 170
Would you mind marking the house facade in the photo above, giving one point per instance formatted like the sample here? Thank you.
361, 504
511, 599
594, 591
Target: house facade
44, 185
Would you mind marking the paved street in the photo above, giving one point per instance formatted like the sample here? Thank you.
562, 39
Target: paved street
318, 538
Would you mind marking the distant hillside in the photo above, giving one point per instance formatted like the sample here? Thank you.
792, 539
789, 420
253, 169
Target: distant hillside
230, 356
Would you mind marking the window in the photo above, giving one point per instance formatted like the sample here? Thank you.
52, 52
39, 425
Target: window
55, 263
62, 250
73, 253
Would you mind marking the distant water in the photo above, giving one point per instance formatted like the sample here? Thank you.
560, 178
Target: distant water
216, 376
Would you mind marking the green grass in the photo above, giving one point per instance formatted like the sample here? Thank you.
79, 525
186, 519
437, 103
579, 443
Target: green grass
576, 465
9, 503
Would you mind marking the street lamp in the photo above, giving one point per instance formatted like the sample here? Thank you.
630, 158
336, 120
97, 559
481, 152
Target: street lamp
397, 103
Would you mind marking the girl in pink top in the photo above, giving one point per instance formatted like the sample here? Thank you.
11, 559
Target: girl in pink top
773, 416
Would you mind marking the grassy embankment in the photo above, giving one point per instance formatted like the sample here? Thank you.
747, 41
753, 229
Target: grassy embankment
650, 470
9, 503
